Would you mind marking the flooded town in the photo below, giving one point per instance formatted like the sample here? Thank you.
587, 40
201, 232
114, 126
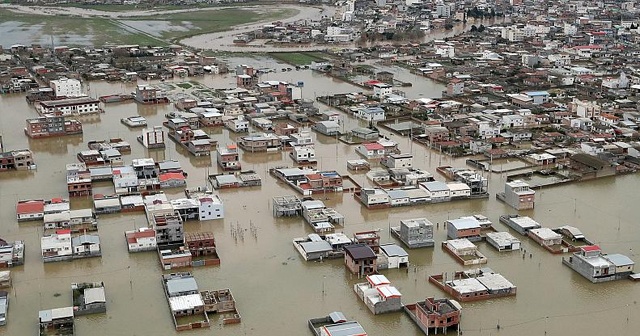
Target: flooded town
314, 168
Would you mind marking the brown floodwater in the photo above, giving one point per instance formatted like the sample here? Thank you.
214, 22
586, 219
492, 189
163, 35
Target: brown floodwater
275, 289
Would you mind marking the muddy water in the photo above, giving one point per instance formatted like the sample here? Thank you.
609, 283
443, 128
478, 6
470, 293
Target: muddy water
277, 291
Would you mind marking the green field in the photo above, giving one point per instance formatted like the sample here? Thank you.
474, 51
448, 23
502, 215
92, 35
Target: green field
211, 21
299, 58
161, 29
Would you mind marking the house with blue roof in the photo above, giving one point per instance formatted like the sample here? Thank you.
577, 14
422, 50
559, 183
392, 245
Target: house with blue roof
539, 97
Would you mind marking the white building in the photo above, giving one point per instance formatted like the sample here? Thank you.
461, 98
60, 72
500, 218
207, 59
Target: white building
125, 179
512, 120
443, 10
488, 129
373, 113
152, 137
584, 108
437, 191
397, 161
518, 195
513, 34
238, 125
396, 256
66, 87
210, 207
304, 154
70, 106
371, 150
503, 241
303, 137
382, 89
445, 50
86, 245
56, 246
142, 239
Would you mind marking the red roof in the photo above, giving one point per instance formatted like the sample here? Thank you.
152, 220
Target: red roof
373, 146
171, 176
65, 231
305, 186
133, 237
26, 207
590, 248
314, 176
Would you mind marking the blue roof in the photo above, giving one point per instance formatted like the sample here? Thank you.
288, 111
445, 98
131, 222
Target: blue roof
537, 93
619, 259
395, 194
435, 186
464, 223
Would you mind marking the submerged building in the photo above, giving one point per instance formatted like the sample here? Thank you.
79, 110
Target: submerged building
596, 266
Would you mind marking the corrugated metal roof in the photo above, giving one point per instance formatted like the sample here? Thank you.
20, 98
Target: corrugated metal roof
394, 250
92, 295
619, 259
351, 328
185, 302
181, 285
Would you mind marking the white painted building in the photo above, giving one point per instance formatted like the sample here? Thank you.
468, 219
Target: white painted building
152, 137
445, 50
56, 245
503, 241
142, 239
382, 89
397, 161
238, 125
86, 245
585, 109
373, 113
67, 87
487, 129
304, 154
436, 190
396, 256
512, 120
210, 207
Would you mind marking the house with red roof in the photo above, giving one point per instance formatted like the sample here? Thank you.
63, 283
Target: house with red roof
172, 180
28, 210
371, 150
142, 239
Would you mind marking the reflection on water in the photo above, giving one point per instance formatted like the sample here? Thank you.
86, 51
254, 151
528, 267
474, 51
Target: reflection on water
56, 145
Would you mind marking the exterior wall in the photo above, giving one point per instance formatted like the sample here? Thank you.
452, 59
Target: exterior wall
143, 244
416, 235
589, 272
367, 266
170, 262
66, 87
519, 202
434, 319
453, 233
211, 210
386, 306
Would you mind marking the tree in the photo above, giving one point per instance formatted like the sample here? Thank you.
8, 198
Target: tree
474, 29
481, 28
